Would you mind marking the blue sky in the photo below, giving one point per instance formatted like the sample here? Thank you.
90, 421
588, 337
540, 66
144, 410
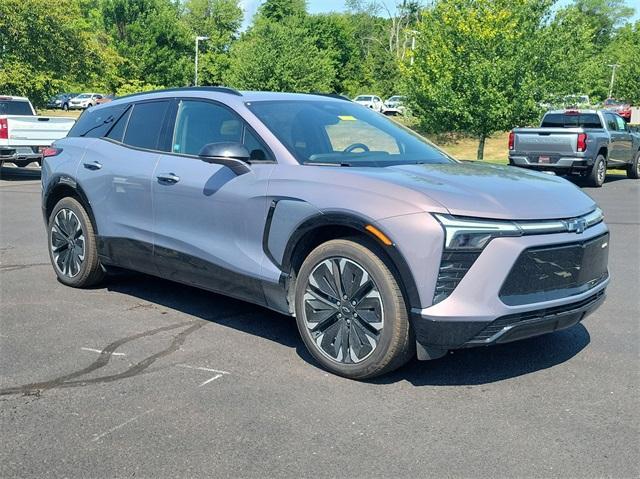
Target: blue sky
320, 6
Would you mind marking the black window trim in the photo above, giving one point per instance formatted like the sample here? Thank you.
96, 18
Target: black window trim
169, 123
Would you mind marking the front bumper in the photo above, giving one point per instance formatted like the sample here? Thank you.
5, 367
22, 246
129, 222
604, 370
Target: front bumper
475, 315
21, 154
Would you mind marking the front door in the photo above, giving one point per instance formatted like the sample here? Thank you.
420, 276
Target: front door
209, 222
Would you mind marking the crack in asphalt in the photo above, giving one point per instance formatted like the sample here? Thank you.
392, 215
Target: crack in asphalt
70, 380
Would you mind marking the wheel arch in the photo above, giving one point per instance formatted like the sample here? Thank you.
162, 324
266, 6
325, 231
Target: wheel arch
324, 227
61, 187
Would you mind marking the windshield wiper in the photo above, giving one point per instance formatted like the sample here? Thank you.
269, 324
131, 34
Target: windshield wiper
325, 163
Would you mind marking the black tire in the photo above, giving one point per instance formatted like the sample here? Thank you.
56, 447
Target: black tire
633, 169
89, 271
596, 176
395, 343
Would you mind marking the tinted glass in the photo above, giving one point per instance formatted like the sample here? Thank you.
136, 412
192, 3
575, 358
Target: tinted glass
257, 151
117, 131
95, 123
622, 126
15, 108
145, 123
611, 122
564, 120
344, 133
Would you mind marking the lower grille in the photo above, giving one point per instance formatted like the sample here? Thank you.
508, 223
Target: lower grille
453, 266
539, 314
553, 272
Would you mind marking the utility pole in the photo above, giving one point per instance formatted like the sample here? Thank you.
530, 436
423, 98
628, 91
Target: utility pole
613, 78
413, 44
198, 39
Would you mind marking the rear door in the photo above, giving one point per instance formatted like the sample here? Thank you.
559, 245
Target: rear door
116, 173
208, 222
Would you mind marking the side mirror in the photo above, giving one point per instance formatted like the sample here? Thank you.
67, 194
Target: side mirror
232, 155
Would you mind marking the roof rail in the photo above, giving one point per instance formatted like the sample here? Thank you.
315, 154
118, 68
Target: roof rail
219, 89
331, 95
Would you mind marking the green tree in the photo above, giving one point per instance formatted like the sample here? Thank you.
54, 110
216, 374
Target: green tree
624, 50
153, 40
49, 46
219, 20
477, 66
280, 55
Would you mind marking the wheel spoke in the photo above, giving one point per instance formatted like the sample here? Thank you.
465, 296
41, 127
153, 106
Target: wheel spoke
345, 330
67, 243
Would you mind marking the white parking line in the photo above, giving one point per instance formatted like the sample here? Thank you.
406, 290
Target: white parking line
99, 351
113, 429
218, 372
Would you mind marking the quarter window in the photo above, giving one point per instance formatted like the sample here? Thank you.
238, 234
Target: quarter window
145, 124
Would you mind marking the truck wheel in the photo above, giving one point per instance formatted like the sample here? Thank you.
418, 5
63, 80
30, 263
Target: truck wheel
350, 311
598, 172
633, 169
72, 245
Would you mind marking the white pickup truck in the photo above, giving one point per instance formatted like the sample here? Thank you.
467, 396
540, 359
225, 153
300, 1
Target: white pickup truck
23, 135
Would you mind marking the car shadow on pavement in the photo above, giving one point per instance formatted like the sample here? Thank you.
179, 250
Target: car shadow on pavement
9, 173
462, 367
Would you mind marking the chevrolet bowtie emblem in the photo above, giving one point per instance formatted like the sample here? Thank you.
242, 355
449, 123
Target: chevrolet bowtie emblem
577, 225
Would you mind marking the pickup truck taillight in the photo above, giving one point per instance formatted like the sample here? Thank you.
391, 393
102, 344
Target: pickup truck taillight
4, 129
512, 138
582, 142
50, 151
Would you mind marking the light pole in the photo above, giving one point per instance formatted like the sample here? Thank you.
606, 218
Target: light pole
198, 39
613, 78
413, 44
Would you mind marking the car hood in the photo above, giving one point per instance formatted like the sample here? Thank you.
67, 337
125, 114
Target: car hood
491, 191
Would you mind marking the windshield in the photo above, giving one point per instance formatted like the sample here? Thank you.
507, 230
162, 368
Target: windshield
363, 98
343, 133
84, 95
396, 98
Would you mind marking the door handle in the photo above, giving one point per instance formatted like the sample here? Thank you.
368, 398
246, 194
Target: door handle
168, 178
95, 165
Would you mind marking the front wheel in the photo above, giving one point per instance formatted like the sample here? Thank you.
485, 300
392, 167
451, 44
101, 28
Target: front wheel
633, 169
72, 245
598, 172
351, 312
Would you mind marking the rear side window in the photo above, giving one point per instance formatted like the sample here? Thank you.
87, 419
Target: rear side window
117, 130
564, 120
95, 123
145, 124
15, 108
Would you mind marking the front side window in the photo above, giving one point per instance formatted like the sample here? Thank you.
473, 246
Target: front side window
145, 124
342, 132
622, 126
199, 123
611, 122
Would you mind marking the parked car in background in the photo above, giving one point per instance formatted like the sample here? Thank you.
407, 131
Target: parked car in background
395, 105
84, 101
23, 135
621, 108
583, 142
380, 244
106, 99
61, 101
370, 101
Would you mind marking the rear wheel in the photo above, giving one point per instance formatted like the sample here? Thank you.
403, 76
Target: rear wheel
350, 310
633, 169
72, 245
598, 172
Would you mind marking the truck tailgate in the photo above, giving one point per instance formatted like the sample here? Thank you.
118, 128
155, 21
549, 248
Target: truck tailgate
552, 141
36, 130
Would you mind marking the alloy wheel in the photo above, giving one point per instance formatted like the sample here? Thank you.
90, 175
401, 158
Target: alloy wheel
67, 243
343, 310
602, 171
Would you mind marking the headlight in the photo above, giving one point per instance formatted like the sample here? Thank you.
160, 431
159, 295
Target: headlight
474, 234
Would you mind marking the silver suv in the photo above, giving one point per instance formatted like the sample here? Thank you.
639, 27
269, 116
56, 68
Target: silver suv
377, 242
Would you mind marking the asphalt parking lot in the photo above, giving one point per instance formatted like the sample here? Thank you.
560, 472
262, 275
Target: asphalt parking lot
147, 378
